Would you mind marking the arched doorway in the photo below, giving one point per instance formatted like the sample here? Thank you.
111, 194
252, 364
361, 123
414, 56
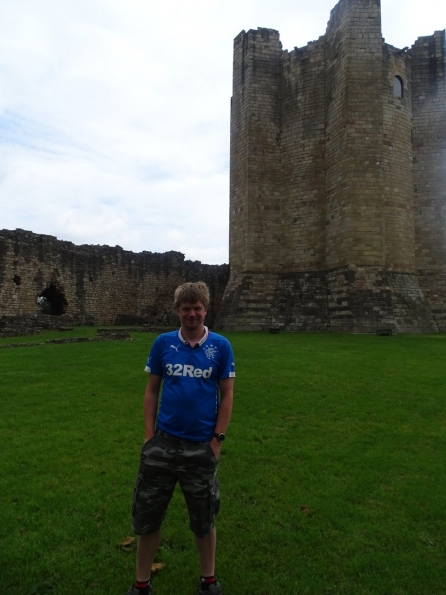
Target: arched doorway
57, 303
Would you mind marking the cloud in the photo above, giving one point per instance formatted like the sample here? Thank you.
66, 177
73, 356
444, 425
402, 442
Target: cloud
114, 116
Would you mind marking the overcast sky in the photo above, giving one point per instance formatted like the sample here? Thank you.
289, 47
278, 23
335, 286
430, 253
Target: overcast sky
114, 114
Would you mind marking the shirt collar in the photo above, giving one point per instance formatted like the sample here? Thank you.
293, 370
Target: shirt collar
200, 342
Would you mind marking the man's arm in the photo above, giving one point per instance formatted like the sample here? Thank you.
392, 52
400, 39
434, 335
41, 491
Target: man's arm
224, 411
151, 405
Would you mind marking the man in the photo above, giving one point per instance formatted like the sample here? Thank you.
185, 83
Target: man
182, 443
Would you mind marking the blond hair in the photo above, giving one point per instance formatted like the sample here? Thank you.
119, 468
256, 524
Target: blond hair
191, 293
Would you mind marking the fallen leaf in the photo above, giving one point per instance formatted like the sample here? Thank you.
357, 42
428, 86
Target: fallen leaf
157, 566
127, 541
305, 510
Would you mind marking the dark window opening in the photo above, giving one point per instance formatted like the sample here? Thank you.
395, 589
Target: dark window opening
56, 300
17, 280
398, 87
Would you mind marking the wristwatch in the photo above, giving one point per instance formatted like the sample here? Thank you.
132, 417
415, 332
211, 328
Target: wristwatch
220, 436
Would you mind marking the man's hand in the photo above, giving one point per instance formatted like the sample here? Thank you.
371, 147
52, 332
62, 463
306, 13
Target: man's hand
216, 446
148, 436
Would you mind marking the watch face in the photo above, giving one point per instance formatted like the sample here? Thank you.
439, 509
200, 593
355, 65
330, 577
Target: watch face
221, 437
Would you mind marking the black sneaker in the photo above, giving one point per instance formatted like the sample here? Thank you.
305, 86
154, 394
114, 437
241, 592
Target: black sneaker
212, 589
134, 591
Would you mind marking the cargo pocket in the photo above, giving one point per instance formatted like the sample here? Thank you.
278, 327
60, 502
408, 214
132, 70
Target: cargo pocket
135, 496
149, 442
214, 495
146, 449
211, 452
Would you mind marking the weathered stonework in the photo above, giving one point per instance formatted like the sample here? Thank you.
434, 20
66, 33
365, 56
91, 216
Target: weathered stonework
338, 201
93, 284
338, 180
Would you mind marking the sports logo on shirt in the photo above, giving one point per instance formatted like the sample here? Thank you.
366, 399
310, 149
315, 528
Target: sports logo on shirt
211, 351
175, 347
187, 370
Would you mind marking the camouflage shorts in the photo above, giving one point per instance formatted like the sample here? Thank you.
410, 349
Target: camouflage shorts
165, 460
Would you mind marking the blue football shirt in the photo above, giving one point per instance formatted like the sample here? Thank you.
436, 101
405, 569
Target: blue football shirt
191, 376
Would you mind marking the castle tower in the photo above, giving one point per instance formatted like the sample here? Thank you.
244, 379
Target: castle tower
429, 146
324, 224
255, 151
354, 136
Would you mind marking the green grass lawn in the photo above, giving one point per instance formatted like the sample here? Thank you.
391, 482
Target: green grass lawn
333, 474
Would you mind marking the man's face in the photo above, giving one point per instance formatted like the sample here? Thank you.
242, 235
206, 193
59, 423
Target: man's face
191, 315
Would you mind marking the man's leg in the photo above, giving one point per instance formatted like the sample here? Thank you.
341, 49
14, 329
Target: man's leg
206, 550
197, 475
147, 546
153, 491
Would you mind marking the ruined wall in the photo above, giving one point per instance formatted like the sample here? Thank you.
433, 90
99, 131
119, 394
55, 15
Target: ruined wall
100, 284
341, 221
429, 147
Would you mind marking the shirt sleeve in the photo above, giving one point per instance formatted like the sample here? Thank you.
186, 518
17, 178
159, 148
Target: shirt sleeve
154, 363
227, 364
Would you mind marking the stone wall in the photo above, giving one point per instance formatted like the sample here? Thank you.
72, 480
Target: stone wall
354, 135
255, 157
302, 160
397, 163
429, 146
338, 207
94, 284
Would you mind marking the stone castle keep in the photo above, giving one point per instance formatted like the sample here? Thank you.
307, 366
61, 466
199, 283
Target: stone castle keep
337, 199
338, 180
